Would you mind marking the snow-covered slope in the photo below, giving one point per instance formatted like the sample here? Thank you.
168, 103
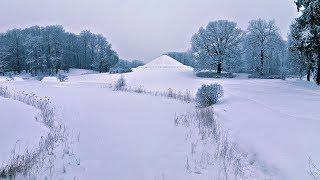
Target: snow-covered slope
160, 74
165, 61
19, 129
78, 72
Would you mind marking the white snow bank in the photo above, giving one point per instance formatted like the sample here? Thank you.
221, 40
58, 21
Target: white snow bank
50, 79
19, 129
3, 79
78, 72
18, 79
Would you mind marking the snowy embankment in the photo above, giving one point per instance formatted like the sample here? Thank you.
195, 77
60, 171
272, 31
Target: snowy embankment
19, 129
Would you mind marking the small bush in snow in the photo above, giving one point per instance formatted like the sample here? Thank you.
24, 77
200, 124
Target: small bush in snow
120, 70
170, 93
4, 92
120, 84
140, 90
39, 77
208, 95
62, 77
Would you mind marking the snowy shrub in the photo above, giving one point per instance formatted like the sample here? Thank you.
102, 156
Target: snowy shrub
314, 170
210, 74
9, 77
4, 92
62, 77
120, 84
120, 70
187, 96
212, 149
140, 90
208, 95
170, 93
39, 77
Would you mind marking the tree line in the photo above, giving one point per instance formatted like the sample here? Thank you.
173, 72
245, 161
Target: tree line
260, 49
46, 50
222, 46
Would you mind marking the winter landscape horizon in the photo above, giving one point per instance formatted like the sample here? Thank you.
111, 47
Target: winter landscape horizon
160, 90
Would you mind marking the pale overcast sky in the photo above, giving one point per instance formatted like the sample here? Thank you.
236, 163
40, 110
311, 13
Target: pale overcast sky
142, 29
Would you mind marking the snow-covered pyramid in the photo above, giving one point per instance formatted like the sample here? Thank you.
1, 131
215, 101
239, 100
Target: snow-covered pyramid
165, 61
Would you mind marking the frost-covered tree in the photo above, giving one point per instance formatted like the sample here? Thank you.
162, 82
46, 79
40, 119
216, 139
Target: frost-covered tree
14, 50
53, 41
218, 45
88, 43
35, 55
300, 57
4, 54
103, 56
308, 24
50, 49
264, 49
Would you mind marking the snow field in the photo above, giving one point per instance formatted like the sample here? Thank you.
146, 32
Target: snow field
277, 121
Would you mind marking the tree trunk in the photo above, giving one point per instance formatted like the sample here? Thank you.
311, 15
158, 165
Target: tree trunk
318, 70
18, 58
261, 62
219, 68
309, 74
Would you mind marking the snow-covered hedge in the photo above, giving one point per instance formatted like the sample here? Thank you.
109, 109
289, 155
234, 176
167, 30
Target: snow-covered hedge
62, 77
4, 92
208, 95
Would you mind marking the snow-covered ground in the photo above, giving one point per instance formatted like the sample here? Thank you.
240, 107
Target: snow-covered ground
132, 136
19, 129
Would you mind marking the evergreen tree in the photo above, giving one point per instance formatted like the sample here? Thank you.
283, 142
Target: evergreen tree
308, 26
300, 56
